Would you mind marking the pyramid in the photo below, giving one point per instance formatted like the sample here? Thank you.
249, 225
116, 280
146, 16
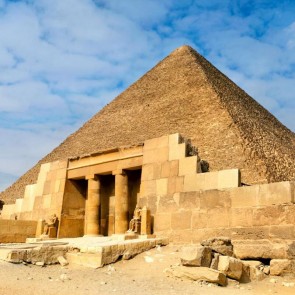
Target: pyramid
185, 94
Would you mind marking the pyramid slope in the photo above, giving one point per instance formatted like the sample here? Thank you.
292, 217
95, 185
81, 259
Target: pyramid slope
184, 93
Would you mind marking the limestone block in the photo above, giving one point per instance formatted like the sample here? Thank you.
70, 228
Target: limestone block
215, 260
46, 201
177, 152
221, 245
196, 256
174, 139
280, 267
245, 196
188, 165
241, 217
251, 271
192, 182
148, 188
61, 174
169, 169
275, 193
18, 205
231, 267
155, 143
151, 171
181, 220
162, 221
175, 184
267, 249
282, 232
190, 200
199, 219
167, 203
229, 178
214, 199
218, 217
162, 186
197, 274
158, 155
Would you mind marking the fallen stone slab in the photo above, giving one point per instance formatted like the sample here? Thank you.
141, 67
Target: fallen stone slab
196, 256
280, 267
266, 249
252, 271
221, 245
231, 267
197, 274
214, 262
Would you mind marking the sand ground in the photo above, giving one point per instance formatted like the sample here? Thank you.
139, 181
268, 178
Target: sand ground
144, 274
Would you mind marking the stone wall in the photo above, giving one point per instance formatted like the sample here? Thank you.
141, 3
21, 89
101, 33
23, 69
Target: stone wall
43, 198
16, 231
257, 212
189, 206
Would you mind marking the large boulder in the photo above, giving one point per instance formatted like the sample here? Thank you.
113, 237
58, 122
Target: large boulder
196, 256
197, 274
231, 267
221, 245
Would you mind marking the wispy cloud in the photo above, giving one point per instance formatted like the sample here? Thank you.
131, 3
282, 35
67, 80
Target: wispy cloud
61, 61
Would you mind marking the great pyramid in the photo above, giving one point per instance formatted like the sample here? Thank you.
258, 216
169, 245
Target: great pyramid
184, 93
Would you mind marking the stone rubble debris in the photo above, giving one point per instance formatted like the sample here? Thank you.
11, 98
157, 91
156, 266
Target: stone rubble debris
210, 263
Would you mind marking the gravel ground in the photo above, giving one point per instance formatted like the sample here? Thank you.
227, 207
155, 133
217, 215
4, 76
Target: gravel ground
140, 275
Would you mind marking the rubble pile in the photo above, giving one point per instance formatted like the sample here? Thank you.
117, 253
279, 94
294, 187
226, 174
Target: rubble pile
214, 262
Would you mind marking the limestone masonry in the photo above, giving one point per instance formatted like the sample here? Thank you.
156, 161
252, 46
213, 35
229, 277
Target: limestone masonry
195, 158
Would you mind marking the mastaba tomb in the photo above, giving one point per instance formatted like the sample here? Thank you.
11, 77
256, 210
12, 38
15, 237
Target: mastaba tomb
186, 145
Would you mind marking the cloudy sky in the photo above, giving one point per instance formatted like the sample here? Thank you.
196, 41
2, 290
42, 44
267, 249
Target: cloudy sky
61, 61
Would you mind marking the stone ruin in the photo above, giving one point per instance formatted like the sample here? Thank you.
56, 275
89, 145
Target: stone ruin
217, 179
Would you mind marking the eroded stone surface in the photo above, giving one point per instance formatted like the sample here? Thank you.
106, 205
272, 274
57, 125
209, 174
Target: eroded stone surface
231, 267
221, 245
196, 256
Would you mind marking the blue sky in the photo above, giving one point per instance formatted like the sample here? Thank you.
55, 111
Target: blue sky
62, 61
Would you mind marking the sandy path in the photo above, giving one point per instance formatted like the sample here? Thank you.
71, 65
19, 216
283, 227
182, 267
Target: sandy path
140, 275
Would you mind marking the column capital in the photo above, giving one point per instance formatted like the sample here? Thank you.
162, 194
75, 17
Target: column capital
118, 172
91, 176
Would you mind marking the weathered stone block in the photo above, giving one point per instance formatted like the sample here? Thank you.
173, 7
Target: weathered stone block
241, 217
156, 155
221, 245
175, 184
214, 199
218, 217
151, 171
155, 143
148, 188
199, 219
275, 193
245, 196
196, 256
177, 152
162, 186
198, 274
231, 267
181, 220
162, 221
280, 267
189, 200
229, 178
282, 232
188, 165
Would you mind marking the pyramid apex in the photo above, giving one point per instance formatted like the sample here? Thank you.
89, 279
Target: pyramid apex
183, 49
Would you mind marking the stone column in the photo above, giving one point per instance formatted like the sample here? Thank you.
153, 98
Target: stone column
121, 202
92, 207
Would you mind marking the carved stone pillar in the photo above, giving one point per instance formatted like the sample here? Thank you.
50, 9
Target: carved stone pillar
92, 207
121, 202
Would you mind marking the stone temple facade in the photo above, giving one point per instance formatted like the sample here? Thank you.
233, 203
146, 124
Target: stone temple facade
230, 172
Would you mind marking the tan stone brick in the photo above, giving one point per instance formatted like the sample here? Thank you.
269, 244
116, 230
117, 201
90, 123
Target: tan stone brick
190, 182
241, 217
167, 204
156, 143
188, 165
148, 188
169, 169
189, 200
181, 220
156, 155
61, 174
162, 222
218, 217
199, 219
174, 139
259, 218
275, 193
46, 201
177, 152
175, 184
151, 171
162, 186
253, 233
245, 196
282, 232
229, 178
214, 199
